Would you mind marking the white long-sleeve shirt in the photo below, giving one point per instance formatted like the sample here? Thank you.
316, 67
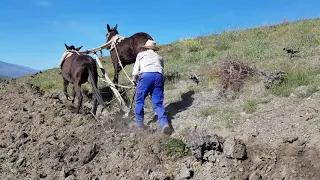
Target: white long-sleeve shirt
148, 61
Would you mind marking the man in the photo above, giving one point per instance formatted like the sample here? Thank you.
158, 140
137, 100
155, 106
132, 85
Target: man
148, 73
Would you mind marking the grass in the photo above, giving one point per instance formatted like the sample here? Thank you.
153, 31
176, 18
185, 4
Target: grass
174, 147
208, 111
3, 78
49, 80
295, 78
250, 106
229, 116
261, 46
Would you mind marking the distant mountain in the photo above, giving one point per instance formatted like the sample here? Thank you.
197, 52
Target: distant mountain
14, 70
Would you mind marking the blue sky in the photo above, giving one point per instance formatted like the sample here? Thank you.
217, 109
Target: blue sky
32, 32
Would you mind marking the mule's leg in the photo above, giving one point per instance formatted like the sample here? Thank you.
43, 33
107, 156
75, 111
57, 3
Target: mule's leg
73, 94
65, 86
94, 104
94, 98
116, 74
79, 96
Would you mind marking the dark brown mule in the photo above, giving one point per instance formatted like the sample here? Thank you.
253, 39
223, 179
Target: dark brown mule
127, 49
78, 69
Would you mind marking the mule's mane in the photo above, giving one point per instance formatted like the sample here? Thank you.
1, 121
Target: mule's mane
67, 54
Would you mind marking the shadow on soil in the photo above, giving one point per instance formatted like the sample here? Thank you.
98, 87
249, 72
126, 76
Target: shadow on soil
173, 108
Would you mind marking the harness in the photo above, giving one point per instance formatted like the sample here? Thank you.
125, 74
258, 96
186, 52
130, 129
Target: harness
114, 41
67, 54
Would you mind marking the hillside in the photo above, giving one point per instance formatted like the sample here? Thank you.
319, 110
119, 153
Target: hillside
257, 132
14, 70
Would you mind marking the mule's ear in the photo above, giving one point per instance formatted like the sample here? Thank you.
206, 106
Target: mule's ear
66, 46
77, 49
108, 27
116, 27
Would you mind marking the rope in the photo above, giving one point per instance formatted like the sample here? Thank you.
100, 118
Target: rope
73, 51
127, 87
122, 66
115, 40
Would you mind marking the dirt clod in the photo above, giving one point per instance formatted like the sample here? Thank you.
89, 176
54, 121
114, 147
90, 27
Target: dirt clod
199, 143
234, 148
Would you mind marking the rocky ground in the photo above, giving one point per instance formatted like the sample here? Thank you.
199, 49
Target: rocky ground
42, 139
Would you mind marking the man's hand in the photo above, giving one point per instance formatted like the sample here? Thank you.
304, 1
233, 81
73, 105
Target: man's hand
135, 83
135, 80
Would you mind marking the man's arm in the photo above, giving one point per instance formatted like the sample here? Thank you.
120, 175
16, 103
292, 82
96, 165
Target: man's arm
136, 67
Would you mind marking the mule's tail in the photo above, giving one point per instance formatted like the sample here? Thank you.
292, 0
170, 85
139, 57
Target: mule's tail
95, 90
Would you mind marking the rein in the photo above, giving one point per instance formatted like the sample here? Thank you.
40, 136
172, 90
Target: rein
115, 47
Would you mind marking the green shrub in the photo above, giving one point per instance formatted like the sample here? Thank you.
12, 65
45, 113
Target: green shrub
174, 147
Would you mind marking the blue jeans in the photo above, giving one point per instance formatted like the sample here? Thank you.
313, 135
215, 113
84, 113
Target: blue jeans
151, 83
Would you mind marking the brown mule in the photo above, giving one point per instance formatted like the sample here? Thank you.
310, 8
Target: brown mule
128, 49
78, 69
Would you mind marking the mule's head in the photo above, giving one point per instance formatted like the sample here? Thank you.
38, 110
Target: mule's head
111, 32
72, 47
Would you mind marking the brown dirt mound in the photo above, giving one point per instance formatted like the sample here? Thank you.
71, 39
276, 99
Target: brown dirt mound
42, 139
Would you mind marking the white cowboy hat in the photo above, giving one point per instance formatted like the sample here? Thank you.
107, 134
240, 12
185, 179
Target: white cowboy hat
150, 44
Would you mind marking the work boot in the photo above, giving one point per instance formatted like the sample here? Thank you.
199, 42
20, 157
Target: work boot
166, 130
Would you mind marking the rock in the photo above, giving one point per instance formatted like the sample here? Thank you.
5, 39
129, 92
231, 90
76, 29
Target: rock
234, 148
222, 162
71, 177
290, 139
104, 113
55, 95
62, 97
3, 145
185, 173
136, 177
22, 135
21, 162
255, 176
158, 176
89, 153
42, 175
132, 135
199, 143
87, 105
156, 148
255, 134
118, 139
209, 156
11, 152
